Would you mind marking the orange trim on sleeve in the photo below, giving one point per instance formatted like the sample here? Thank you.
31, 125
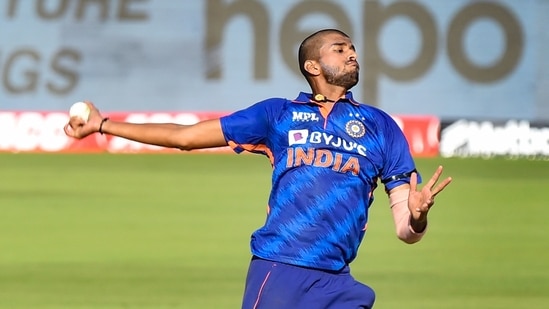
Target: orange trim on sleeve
232, 144
254, 148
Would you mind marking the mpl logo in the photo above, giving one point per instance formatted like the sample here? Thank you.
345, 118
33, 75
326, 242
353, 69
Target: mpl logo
303, 116
297, 137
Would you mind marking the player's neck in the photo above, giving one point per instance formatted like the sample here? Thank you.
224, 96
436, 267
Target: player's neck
328, 94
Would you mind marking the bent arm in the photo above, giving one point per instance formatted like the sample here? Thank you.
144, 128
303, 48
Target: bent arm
205, 134
408, 229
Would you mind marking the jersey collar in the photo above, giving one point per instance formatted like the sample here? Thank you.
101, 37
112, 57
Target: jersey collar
305, 97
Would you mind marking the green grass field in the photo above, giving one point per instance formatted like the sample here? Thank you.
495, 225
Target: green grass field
172, 231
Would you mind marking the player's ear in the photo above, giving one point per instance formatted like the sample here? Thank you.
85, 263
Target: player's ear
312, 67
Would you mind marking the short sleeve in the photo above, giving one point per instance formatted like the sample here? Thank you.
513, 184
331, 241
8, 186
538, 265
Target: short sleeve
399, 163
247, 129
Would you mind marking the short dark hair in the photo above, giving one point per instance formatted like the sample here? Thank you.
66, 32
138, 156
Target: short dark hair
309, 48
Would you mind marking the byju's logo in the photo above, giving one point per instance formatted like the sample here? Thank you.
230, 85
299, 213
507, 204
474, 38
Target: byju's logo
298, 137
301, 137
303, 116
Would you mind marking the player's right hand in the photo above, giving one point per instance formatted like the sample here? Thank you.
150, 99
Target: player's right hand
79, 128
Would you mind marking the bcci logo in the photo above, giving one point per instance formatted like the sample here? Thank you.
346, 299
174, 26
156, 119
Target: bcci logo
355, 128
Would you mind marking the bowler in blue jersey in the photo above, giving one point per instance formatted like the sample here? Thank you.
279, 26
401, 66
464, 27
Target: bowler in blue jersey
329, 152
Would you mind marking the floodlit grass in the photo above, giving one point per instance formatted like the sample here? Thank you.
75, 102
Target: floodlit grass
172, 231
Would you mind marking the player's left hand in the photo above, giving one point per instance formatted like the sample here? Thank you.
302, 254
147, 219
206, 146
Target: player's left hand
420, 202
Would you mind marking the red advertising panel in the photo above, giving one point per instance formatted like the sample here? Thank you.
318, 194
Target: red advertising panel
422, 133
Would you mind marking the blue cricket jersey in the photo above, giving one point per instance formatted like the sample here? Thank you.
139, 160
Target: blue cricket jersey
326, 165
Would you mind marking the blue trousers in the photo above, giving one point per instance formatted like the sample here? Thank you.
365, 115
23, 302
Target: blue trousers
273, 285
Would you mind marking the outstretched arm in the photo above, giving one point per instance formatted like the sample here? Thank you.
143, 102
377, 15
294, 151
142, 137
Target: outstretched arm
205, 134
410, 206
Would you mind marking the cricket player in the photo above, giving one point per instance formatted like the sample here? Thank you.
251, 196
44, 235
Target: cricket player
329, 152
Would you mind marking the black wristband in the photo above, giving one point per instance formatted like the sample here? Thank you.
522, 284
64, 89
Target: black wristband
101, 125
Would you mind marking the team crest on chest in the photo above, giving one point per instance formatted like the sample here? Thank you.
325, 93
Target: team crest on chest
355, 128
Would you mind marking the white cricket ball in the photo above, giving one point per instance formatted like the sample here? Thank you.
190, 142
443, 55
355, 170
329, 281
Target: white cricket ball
81, 110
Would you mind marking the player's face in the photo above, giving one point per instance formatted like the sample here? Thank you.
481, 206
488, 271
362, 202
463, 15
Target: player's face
338, 60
